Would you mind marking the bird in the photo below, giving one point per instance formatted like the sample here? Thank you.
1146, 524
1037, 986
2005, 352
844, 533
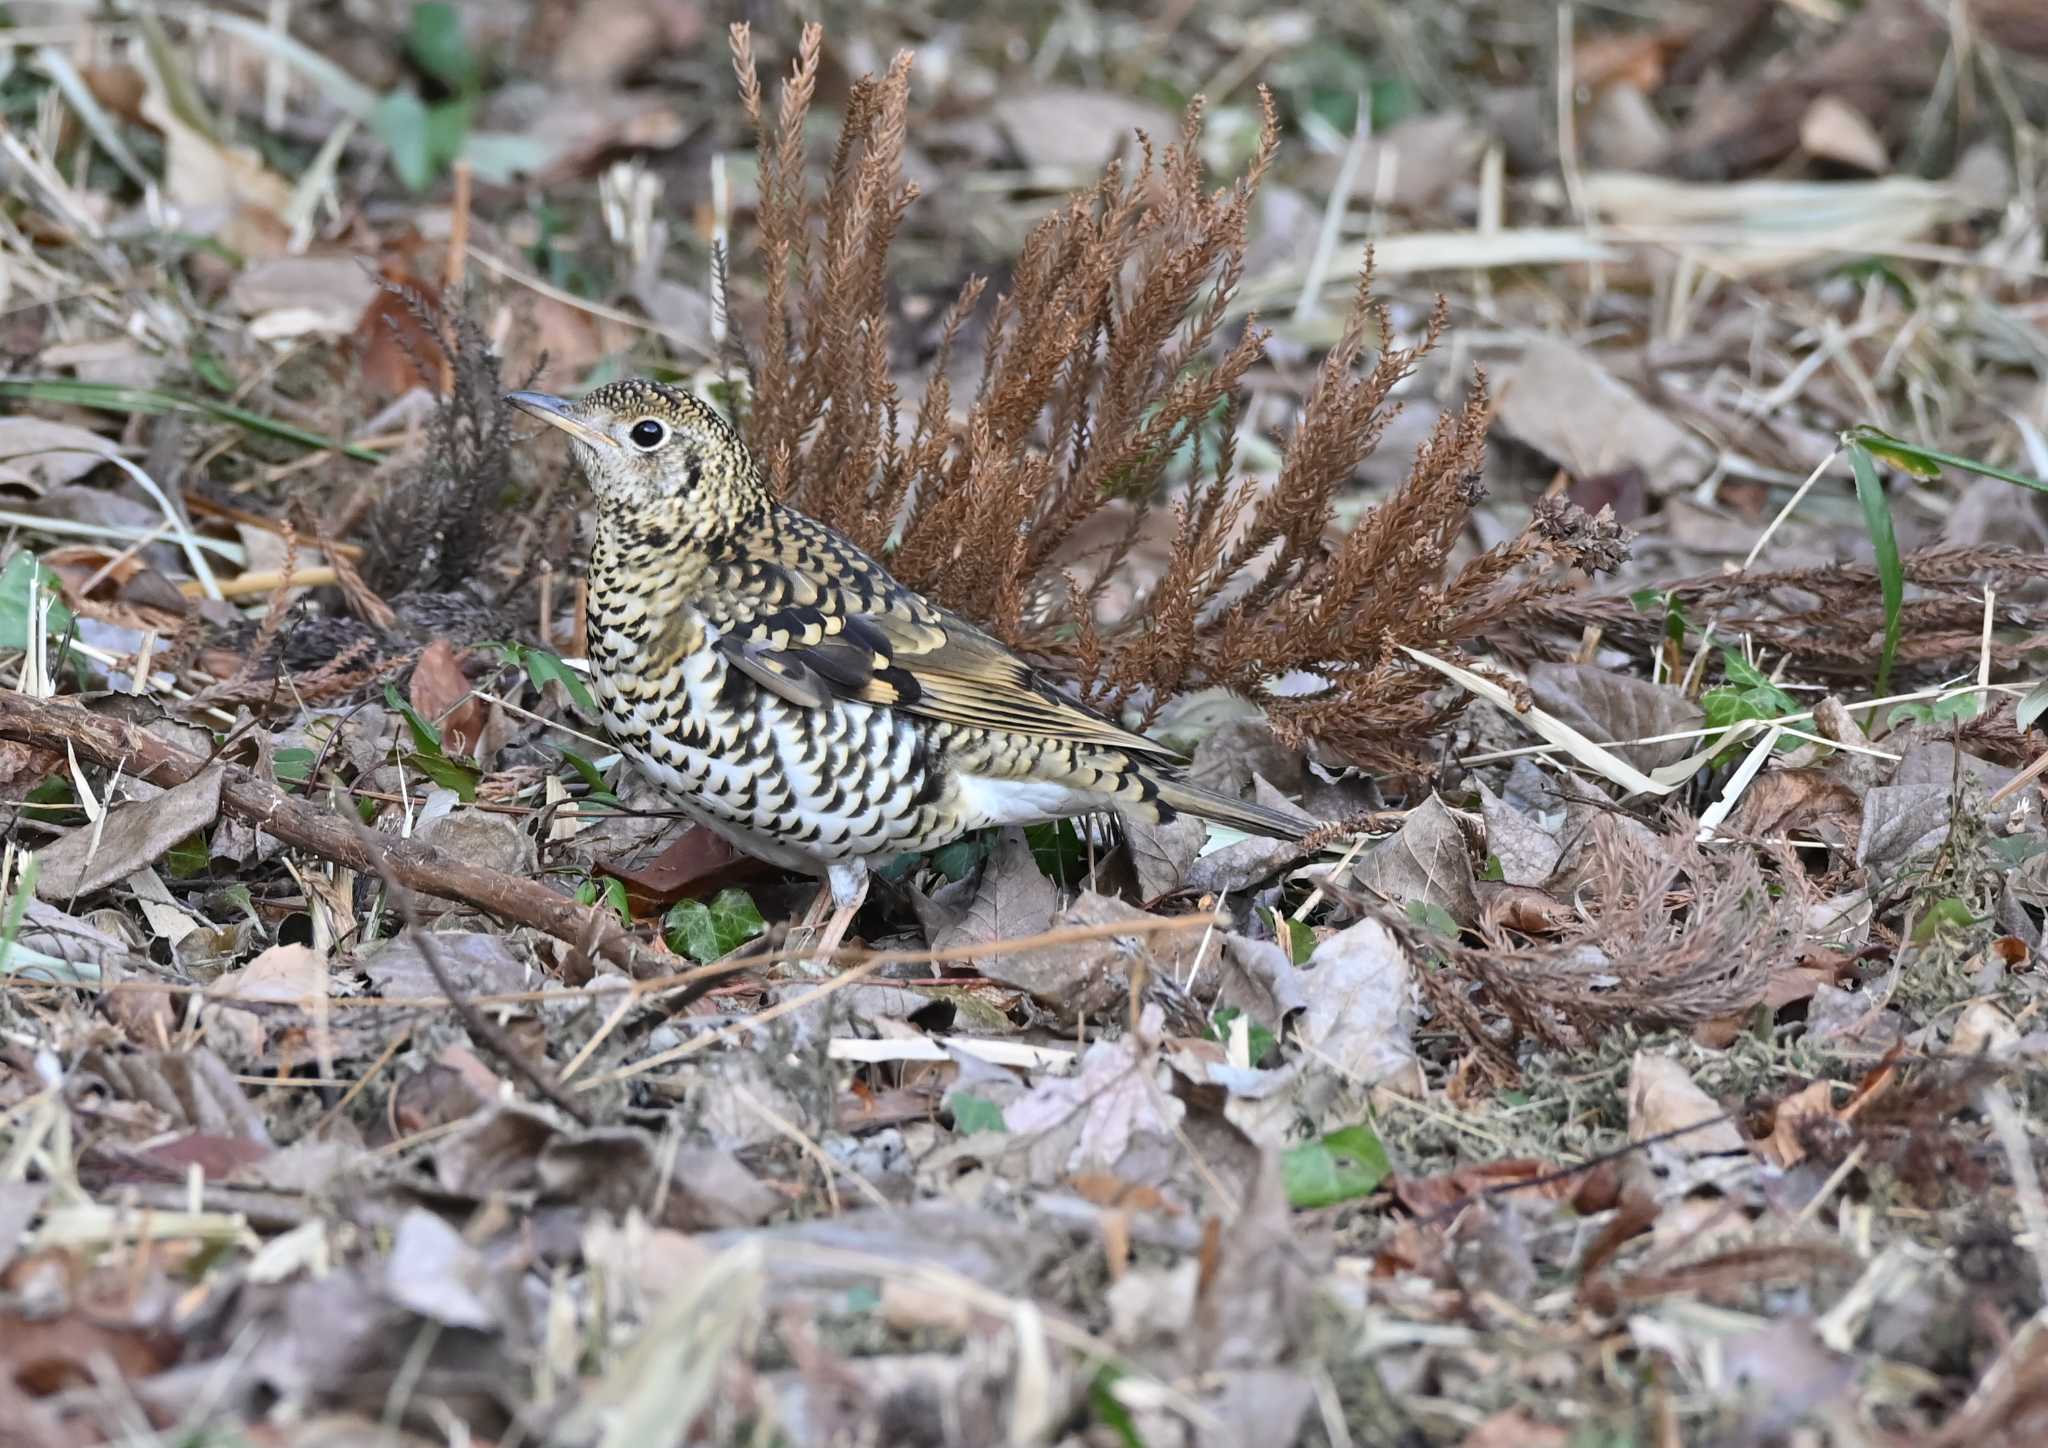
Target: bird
784, 689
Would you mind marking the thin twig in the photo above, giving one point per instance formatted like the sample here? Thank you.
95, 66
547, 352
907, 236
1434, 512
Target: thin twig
411, 863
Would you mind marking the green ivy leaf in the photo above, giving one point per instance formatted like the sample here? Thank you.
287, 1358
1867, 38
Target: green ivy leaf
437, 46
973, 1113
293, 766
1260, 1043
958, 860
400, 121
612, 890
1433, 918
14, 587
448, 773
1336, 1167
189, 857
592, 776
1947, 913
1940, 711
704, 933
544, 668
425, 737
1058, 849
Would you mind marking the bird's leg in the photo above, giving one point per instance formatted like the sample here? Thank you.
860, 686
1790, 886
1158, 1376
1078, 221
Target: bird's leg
847, 885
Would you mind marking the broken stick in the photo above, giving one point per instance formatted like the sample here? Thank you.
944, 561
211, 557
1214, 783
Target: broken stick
53, 723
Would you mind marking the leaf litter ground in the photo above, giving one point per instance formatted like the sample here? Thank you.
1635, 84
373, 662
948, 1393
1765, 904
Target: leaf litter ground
1649, 1051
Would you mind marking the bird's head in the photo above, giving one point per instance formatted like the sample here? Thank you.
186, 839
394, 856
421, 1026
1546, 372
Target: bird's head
650, 448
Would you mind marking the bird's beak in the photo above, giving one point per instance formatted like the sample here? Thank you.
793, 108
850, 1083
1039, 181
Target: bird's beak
556, 411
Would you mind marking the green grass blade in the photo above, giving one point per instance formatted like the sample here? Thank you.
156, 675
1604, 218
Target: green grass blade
112, 397
1927, 461
1891, 576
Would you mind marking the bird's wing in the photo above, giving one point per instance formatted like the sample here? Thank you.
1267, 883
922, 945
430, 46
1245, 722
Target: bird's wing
840, 627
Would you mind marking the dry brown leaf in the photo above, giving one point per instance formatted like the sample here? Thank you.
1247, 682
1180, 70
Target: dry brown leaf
1810, 1103
442, 696
1523, 909
39, 453
1568, 407
1782, 800
1984, 1030
1834, 130
1663, 1098
1113, 1107
1359, 1013
130, 837
395, 349
224, 191
1428, 860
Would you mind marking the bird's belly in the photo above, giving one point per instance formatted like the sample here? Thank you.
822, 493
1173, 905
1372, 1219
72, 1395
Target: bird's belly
796, 786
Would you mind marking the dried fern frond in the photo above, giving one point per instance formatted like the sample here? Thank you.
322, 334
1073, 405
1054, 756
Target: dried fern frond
1109, 357
1669, 935
432, 529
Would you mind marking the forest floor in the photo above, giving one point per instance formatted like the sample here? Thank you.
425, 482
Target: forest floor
1649, 1052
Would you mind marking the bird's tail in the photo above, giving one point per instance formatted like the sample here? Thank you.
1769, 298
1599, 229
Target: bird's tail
1253, 819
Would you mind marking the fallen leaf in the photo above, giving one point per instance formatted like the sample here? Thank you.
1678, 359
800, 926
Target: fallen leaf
1610, 708
1111, 1105
1358, 1011
38, 453
1528, 850
131, 837
1901, 821
1162, 855
441, 694
1663, 1098
1984, 1030
1074, 129
44, 1356
1256, 977
395, 350
1427, 861
1252, 859
1814, 1102
1012, 899
219, 190
480, 837
330, 290
1811, 800
477, 962
1531, 1178
1631, 58
1253, 1306
1834, 130
698, 862
432, 1271
1566, 406
1521, 908
283, 974
1083, 977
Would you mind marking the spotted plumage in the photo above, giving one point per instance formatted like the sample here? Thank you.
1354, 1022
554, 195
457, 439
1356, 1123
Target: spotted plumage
789, 693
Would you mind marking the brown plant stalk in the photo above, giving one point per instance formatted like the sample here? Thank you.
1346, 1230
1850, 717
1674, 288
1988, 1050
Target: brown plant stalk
1108, 363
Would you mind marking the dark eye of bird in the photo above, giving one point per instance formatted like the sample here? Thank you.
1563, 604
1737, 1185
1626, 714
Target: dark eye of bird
648, 434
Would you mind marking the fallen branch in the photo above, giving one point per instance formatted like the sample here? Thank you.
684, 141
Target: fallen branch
54, 723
